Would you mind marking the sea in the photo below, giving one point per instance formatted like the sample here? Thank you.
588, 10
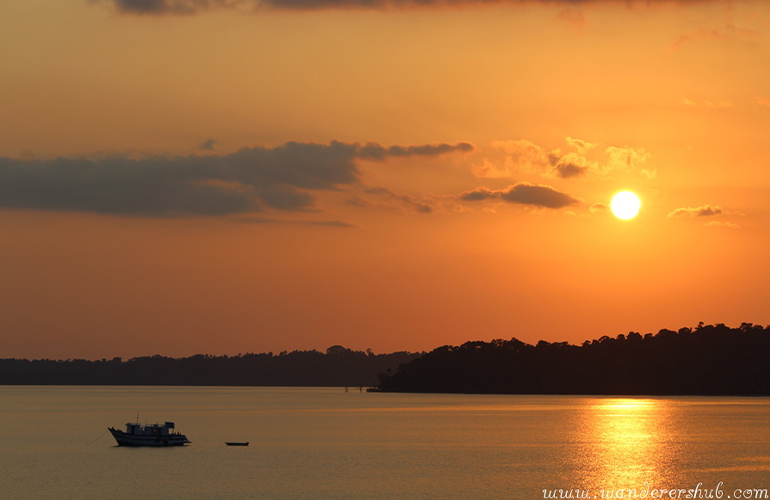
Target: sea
338, 443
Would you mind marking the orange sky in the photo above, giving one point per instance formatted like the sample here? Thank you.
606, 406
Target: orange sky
181, 177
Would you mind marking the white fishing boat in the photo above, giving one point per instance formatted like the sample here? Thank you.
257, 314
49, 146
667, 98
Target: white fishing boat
149, 435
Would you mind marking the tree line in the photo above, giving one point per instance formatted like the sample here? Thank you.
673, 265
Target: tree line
337, 367
706, 360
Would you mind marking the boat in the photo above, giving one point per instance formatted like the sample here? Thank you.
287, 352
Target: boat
149, 435
233, 443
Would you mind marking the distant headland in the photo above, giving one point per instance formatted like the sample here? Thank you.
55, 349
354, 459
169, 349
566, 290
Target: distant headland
706, 360
337, 367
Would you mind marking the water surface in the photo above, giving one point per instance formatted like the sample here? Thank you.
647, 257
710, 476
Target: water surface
311, 443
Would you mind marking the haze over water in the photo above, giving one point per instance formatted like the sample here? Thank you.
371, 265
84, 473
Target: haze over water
326, 443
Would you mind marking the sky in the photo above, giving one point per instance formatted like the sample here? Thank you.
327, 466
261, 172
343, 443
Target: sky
232, 176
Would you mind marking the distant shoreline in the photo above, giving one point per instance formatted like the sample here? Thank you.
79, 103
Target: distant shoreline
338, 367
709, 360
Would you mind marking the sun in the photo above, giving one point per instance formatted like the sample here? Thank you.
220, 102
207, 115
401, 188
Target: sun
625, 205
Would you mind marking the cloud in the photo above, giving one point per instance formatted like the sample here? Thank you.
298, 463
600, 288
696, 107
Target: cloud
762, 101
599, 207
374, 151
628, 159
524, 193
571, 165
393, 200
164, 6
702, 211
182, 7
330, 223
208, 145
357, 201
719, 104
480, 194
253, 219
729, 33
526, 157
521, 155
728, 225
582, 146
246, 181
573, 17
709, 104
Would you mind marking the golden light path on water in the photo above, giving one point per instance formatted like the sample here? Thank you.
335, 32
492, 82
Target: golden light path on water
625, 444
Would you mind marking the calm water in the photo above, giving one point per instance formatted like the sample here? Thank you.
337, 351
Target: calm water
325, 443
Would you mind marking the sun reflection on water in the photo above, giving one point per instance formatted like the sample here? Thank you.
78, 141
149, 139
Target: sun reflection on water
624, 444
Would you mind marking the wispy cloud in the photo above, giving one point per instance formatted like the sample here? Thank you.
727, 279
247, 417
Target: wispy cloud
247, 181
599, 207
628, 158
708, 104
392, 200
701, 211
727, 33
582, 147
573, 17
524, 193
526, 157
725, 224
719, 104
330, 223
181, 7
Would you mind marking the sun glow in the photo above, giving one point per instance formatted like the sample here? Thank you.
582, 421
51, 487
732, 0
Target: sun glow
625, 205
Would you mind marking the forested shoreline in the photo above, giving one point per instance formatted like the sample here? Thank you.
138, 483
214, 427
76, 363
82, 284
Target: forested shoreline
337, 367
706, 360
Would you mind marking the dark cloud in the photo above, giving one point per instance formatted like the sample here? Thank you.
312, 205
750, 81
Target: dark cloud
429, 149
480, 194
566, 168
194, 6
538, 195
172, 6
208, 145
702, 211
356, 201
374, 151
252, 219
526, 194
378, 190
330, 223
249, 180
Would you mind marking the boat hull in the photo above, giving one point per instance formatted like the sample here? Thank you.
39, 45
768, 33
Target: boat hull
125, 439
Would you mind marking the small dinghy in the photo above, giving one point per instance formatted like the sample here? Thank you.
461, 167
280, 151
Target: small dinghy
231, 443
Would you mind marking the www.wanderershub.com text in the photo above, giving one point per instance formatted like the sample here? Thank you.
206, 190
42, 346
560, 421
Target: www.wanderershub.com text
648, 492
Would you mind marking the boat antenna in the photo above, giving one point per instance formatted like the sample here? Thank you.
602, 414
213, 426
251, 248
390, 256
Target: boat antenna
137, 417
